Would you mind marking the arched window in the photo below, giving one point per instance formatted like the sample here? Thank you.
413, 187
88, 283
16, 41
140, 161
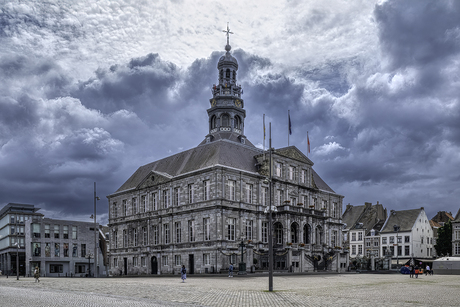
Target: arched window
213, 122
227, 73
319, 235
225, 120
278, 233
306, 234
237, 122
294, 233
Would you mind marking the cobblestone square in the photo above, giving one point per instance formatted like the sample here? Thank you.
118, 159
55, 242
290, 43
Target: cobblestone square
215, 290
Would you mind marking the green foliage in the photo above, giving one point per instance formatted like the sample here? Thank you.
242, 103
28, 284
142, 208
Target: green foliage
444, 242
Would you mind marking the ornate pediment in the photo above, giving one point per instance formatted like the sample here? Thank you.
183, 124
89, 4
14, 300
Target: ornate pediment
294, 153
153, 179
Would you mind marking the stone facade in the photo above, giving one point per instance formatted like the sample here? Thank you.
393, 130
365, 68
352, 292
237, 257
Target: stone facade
206, 207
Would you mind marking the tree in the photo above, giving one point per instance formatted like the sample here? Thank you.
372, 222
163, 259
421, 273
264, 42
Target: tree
444, 242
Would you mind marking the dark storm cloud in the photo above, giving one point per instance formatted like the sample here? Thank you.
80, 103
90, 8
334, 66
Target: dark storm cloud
419, 32
403, 118
142, 83
83, 101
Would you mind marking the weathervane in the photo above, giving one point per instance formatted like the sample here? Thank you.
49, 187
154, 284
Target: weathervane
228, 36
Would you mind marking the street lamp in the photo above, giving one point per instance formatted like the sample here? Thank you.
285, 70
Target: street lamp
17, 248
396, 228
270, 234
89, 255
242, 264
96, 233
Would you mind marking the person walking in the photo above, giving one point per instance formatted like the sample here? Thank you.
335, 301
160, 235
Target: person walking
417, 271
411, 271
183, 273
37, 274
230, 270
427, 270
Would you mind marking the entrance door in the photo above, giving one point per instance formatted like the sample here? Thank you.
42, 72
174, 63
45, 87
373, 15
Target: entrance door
191, 264
125, 266
154, 265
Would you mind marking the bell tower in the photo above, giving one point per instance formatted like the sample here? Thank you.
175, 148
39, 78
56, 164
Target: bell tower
227, 114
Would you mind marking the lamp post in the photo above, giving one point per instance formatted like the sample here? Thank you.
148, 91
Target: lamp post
96, 232
242, 264
396, 227
270, 234
89, 255
17, 249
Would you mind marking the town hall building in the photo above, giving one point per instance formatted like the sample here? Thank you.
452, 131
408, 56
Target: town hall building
206, 207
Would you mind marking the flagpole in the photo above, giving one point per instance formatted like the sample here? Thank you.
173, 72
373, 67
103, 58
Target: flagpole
264, 136
289, 125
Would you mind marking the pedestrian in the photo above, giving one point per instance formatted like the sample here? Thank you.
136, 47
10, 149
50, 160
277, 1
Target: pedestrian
230, 270
427, 270
37, 274
411, 271
183, 273
416, 271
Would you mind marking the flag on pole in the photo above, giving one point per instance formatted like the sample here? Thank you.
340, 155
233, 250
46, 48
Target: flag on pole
290, 130
264, 127
308, 142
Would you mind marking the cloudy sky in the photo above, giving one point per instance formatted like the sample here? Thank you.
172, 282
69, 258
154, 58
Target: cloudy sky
91, 90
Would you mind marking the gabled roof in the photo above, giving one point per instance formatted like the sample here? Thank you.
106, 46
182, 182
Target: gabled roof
293, 152
365, 217
457, 217
405, 219
443, 217
351, 215
434, 224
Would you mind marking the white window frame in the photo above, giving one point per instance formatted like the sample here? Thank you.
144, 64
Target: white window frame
249, 229
231, 189
206, 229
178, 230
207, 190
231, 229
249, 192
166, 233
190, 193
154, 201
191, 231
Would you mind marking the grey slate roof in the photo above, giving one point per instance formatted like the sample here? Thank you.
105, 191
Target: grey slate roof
221, 152
351, 215
320, 184
404, 218
457, 217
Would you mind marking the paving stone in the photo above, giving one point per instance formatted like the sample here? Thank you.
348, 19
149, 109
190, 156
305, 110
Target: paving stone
290, 290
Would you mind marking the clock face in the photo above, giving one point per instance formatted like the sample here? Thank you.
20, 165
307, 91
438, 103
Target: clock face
213, 102
238, 103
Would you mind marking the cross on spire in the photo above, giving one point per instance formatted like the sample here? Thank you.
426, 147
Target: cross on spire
228, 34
